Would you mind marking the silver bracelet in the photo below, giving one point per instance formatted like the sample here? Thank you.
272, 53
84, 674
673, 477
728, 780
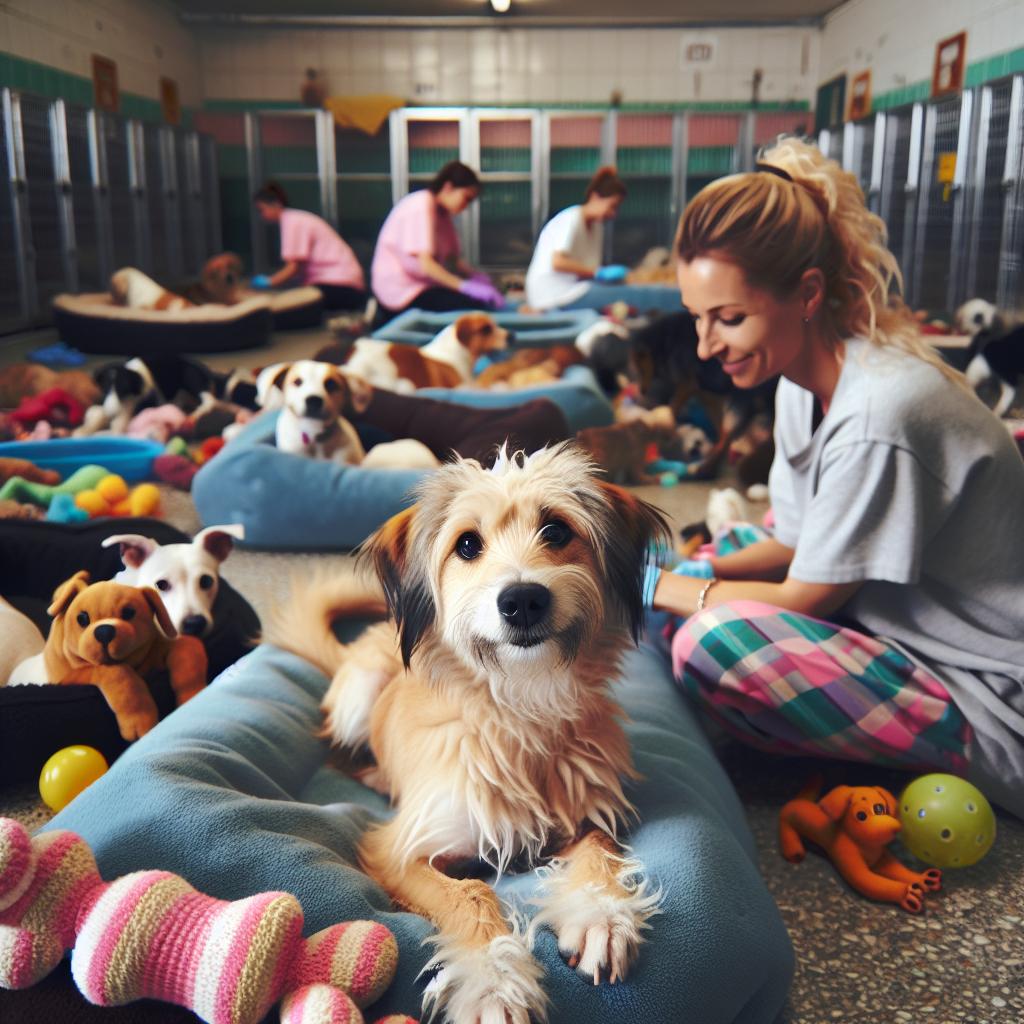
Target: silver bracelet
704, 593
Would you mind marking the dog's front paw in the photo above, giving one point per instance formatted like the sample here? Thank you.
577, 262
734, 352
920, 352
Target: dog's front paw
494, 984
135, 724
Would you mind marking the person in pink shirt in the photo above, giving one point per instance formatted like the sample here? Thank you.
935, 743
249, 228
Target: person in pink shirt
417, 261
312, 251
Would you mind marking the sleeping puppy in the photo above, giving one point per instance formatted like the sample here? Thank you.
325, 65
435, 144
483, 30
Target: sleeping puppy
314, 399
136, 290
487, 706
220, 282
445, 362
187, 576
530, 366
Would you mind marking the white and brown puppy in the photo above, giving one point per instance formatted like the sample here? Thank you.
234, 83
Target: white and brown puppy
136, 290
315, 399
486, 704
445, 362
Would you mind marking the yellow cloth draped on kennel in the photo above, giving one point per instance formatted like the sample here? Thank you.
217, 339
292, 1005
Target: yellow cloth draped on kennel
367, 113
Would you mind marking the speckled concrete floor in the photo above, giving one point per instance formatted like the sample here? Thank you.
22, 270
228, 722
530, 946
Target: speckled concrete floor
961, 962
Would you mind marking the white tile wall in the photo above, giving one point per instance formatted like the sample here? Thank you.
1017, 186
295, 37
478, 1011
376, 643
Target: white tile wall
144, 37
897, 40
515, 65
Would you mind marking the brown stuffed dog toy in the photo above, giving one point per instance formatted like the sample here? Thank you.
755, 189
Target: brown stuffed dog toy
111, 635
853, 825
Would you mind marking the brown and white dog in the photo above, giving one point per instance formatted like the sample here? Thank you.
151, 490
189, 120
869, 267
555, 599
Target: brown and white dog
220, 282
315, 400
132, 288
445, 362
486, 704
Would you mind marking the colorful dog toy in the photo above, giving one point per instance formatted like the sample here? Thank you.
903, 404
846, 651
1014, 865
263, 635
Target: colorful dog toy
111, 497
18, 488
853, 826
150, 935
946, 821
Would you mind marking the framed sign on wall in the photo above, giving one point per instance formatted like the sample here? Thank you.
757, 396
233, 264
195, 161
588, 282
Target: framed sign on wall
104, 84
950, 65
860, 96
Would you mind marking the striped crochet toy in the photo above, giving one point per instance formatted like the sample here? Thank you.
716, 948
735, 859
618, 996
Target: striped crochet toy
150, 935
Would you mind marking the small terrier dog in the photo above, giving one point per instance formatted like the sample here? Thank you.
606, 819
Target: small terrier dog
315, 399
445, 362
514, 591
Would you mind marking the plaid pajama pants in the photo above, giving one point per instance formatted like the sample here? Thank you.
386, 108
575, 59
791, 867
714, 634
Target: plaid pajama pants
793, 684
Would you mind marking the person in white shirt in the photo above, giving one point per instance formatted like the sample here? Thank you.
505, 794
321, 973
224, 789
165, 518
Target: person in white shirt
567, 257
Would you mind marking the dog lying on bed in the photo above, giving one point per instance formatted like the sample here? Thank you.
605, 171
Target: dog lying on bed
486, 705
445, 362
220, 282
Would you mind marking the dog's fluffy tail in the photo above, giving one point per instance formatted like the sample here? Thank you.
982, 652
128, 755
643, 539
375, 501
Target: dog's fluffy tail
302, 624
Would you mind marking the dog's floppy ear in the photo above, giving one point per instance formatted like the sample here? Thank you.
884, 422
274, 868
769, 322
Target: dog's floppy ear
67, 592
219, 540
633, 527
406, 591
135, 548
835, 802
360, 391
156, 606
270, 385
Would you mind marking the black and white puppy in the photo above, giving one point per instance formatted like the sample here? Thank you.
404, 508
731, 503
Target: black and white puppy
996, 351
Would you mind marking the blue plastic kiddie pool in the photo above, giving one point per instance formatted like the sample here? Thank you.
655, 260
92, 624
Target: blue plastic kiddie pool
129, 457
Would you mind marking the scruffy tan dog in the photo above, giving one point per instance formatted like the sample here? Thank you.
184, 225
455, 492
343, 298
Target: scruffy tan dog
486, 703
111, 635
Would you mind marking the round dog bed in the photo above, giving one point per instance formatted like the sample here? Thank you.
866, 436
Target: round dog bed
94, 323
417, 326
37, 721
296, 308
289, 502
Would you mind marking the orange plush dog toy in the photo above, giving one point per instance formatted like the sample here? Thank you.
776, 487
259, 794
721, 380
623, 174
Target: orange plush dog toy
111, 635
853, 825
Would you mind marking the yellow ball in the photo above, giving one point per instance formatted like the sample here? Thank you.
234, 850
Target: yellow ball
113, 488
92, 502
67, 773
946, 821
144, 500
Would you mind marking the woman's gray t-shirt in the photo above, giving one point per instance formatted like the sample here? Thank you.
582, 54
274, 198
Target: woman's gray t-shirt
911, 484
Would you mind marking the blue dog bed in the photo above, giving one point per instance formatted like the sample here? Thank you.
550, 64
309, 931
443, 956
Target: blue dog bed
644, 298
287, 502
417, 327
233, 792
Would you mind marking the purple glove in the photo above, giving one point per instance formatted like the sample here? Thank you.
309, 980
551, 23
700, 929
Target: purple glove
480, 275
482, 291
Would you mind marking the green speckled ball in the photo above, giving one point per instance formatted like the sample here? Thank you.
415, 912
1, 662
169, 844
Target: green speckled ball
946, 821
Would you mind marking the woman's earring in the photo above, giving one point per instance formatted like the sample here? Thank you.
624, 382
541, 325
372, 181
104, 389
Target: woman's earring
807, 319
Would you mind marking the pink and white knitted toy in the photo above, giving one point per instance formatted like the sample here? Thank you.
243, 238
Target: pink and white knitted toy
151, 935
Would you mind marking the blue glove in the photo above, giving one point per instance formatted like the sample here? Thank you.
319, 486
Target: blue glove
614, 273
261, 282
699, 567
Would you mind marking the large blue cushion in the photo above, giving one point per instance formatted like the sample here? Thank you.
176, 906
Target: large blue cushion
288, 502
417, 326
644, 298
233, 792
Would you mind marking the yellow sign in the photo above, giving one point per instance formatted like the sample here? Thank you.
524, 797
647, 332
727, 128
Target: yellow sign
947, 168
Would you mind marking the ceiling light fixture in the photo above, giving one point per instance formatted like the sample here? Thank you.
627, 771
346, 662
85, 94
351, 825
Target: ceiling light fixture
501, 6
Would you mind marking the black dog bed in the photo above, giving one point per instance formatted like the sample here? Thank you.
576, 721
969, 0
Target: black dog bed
37, 721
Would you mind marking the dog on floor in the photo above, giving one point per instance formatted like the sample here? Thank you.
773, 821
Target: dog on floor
485, 703
187, 575
996, 353
445, 362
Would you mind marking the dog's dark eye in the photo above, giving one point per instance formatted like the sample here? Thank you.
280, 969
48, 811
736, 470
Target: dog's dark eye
83, 619
297, 382
128, 613
468, 546
205, 582
862, 815
880, 809
330, 386
555, 533
163, 584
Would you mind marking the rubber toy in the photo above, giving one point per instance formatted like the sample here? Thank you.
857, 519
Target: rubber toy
111, 497
64, 510
150, 935
946, 821
853, 825
20, 489
67, 773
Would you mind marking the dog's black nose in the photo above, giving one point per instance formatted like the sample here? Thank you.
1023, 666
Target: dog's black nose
105, 633
524, 604
314, 404
194, 625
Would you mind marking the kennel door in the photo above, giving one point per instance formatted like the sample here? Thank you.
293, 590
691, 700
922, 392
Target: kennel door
191, 212
161, 190
228, 185
900, 166
362, 184
14, 267
124, 197
505, 221
713, 149
92, 258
